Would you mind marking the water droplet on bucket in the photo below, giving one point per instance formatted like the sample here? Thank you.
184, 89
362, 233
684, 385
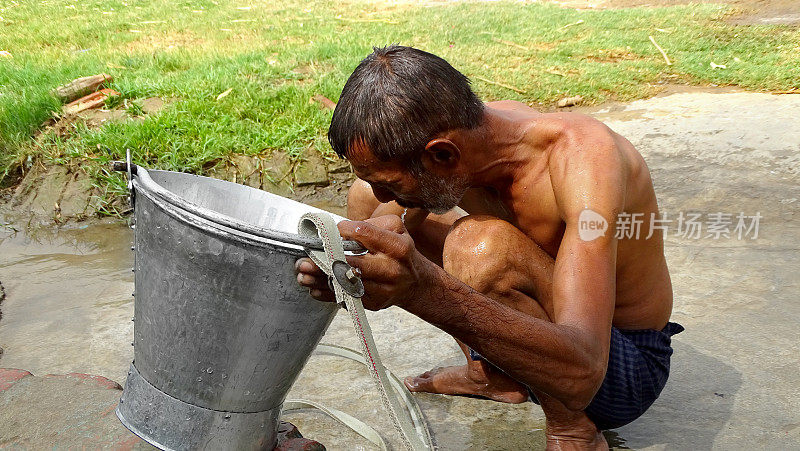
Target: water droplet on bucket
199, 379
227, 416
210, 370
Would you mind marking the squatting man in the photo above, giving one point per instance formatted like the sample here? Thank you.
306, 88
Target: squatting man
504, 243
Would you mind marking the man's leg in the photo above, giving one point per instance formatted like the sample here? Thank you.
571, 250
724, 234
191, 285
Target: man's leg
429, 238
500, 261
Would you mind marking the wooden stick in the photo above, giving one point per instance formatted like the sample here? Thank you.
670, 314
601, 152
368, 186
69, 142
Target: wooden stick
663, 53
324, 102
344, 19
497, 83
81, 87
571, 24
511, 44
224, 93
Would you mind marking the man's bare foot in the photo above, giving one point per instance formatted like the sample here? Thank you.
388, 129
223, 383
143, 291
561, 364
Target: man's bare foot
597, 442
573, 431
461, 380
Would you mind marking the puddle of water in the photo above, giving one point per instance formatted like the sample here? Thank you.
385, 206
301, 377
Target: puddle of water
68, 299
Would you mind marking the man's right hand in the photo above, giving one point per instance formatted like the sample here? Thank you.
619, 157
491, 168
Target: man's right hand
391, 270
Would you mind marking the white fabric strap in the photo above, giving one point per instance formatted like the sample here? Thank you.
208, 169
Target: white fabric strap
409, 423
353, 423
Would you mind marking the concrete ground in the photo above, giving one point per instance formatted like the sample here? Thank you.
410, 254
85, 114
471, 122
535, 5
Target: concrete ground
734, 382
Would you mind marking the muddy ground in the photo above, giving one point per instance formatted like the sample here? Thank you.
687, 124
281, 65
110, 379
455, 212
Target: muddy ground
734, 381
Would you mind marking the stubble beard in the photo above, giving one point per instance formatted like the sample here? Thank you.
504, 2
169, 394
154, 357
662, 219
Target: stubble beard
440, 195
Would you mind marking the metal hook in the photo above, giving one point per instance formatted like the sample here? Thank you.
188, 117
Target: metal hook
128, 161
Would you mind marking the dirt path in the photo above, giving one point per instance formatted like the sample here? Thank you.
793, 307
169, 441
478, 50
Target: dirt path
751, 11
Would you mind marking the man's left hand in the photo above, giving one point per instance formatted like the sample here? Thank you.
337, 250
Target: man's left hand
393, 271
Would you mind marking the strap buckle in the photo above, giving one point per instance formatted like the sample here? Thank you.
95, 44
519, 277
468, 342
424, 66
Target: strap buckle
347, 279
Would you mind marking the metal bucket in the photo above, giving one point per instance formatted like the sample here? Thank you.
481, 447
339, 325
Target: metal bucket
221, 328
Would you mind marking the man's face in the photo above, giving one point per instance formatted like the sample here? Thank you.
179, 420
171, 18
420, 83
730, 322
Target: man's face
393, 181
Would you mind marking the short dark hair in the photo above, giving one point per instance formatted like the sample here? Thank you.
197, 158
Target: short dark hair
398, 99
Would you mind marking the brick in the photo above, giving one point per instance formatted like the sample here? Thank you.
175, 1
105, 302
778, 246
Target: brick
299, 444
312, 171
9, 376
290, 439
97, 381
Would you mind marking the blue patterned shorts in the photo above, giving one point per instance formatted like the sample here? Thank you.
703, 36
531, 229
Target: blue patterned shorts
638, 368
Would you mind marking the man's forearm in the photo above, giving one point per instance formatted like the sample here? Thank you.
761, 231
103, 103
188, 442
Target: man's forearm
553, 358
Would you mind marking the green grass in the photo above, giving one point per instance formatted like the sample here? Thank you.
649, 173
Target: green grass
277, 54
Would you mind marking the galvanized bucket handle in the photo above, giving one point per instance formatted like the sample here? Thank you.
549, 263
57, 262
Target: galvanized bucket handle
140, 175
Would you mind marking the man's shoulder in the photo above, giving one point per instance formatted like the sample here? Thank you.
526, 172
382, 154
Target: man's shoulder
578, 145
573, 125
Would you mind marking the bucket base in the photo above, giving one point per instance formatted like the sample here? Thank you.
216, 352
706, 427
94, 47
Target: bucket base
169, 423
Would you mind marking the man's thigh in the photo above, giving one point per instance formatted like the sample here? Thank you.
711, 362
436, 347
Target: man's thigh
430, 236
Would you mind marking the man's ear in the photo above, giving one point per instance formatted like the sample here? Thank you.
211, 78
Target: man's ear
441, 153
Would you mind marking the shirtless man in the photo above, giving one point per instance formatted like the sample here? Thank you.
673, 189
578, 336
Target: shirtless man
545, 301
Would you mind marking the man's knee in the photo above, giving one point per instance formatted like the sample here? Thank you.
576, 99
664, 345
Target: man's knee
361, 202
476, 251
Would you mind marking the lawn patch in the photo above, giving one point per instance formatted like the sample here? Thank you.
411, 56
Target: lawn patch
270, 59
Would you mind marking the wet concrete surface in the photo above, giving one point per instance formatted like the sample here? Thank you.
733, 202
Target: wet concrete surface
68, 303
734, 382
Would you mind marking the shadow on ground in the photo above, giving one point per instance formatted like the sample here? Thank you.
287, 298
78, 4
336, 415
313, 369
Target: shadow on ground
694, 408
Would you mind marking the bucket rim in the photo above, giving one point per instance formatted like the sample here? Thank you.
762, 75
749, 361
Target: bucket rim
224, 224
